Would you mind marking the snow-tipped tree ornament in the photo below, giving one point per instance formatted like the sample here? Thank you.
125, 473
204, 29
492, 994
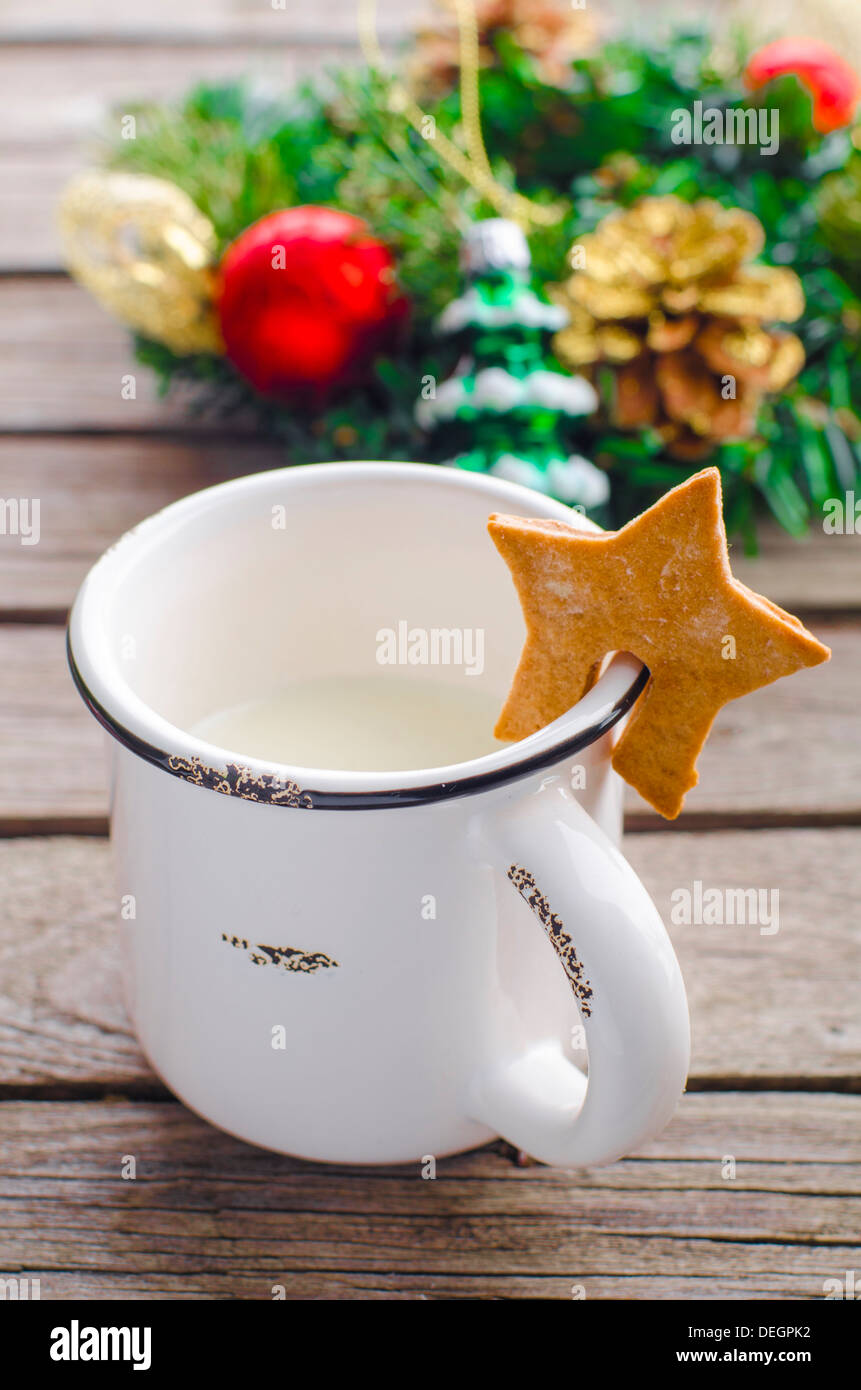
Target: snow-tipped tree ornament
508, 409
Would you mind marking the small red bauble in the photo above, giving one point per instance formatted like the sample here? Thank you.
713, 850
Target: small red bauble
307, 298
833, 84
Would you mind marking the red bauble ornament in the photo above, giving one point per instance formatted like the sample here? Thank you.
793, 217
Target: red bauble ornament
833, 84
307, 297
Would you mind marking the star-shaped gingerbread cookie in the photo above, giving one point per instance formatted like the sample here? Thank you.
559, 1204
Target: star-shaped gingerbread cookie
662, 589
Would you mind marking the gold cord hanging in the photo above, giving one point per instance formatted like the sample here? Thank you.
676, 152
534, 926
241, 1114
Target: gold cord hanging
474, 166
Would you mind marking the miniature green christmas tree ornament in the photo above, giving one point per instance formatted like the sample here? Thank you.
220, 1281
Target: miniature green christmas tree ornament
508, 409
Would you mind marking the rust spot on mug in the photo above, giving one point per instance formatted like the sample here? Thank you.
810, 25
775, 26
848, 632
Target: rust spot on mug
287, 957
561, 942
235, 780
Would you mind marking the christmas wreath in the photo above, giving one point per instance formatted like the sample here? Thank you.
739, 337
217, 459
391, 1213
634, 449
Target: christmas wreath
585, 264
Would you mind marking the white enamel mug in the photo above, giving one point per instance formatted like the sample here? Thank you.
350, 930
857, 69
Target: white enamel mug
284, 974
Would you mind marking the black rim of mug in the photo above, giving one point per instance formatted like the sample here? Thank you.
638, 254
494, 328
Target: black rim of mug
272, 788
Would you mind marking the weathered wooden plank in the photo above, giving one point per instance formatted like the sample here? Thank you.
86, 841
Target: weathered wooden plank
66, 365
206, 1216
786, 752
777, 1010
32, 182
201, 21
775, 1005
127, 478
702, 1237
810, 574
90, 491
66, 94
214, 21
52, 749
698, 1212
63, 102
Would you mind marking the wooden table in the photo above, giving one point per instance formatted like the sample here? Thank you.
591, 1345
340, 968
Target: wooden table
776, 1070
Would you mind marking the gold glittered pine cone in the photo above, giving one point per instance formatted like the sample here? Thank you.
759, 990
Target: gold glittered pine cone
552, 32
667, 296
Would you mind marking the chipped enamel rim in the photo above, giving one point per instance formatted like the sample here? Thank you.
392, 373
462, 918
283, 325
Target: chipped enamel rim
135, 725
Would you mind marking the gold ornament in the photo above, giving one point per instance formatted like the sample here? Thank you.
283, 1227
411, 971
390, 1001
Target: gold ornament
667, 298
146, 253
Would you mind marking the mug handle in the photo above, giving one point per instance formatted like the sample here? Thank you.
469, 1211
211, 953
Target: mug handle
617, 956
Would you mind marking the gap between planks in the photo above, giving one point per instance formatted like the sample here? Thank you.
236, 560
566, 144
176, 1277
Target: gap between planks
645, 823
155, 1092
222, 22
235, 21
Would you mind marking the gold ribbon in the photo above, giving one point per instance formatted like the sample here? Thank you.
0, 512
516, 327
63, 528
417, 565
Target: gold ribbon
474, 166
